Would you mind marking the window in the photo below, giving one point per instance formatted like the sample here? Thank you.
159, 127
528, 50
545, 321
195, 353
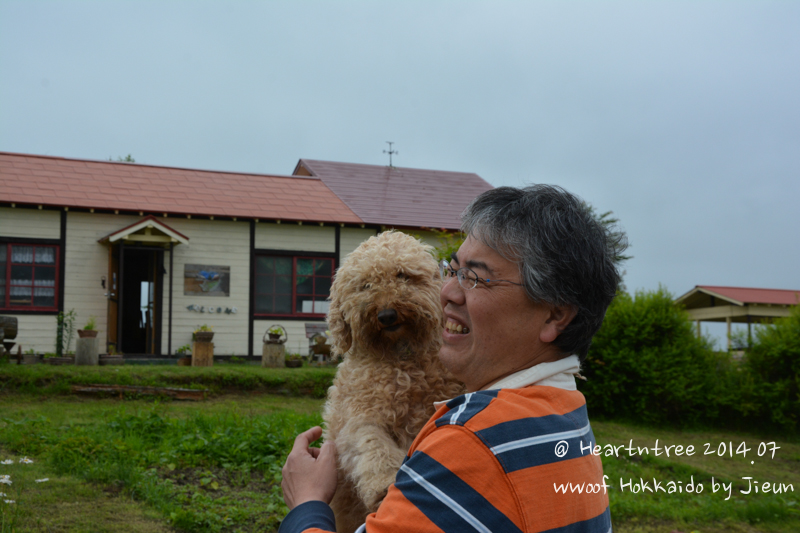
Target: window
28, 277
288, 285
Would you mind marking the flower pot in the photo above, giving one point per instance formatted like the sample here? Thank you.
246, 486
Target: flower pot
185, 361
274, 336
293, 363
111, 360
203, 336
87, 333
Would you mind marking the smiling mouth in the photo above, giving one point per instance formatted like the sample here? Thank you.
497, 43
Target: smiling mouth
456, 329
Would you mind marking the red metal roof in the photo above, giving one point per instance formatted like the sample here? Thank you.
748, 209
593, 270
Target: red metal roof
755, 296
56, 181
399, 196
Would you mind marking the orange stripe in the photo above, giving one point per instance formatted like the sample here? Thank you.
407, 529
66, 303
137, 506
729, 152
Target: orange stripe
547, 509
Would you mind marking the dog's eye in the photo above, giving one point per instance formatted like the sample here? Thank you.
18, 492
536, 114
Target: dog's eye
366, 286
402, 275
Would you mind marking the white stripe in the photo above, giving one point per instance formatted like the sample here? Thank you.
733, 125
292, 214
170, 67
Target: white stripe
609, 530
363, 527
461, 408
533, 441
445, 499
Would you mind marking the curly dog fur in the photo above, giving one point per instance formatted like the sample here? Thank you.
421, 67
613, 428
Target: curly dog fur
386, 319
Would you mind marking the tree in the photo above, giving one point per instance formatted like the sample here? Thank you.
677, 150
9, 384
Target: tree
127, 159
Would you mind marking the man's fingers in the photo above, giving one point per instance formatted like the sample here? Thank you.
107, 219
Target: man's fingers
327, 452
305, 438
314, 452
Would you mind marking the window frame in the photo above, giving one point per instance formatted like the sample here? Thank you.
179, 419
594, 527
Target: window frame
5, 305
294, 256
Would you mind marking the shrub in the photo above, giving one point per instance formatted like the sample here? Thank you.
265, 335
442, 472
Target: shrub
647, 365
774, 363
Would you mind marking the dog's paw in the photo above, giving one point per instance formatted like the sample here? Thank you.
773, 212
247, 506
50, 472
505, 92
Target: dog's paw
374, 491
372, 499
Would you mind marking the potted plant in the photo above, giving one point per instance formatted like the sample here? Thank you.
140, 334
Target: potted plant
275, 332
293, 361
184, 355
89, 330
203, 334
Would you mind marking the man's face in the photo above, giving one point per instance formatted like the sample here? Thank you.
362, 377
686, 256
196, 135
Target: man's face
503, 324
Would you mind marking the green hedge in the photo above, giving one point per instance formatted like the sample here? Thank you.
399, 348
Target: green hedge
52, 380
646, 364
774, 364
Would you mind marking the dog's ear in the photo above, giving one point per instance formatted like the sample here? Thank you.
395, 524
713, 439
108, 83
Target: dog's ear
341, 336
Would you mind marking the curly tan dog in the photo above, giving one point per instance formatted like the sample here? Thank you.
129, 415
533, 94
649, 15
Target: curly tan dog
386, 318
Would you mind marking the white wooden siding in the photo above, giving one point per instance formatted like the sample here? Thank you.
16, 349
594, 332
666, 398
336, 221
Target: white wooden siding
288, 236
350, 238
296, 341
36, 332
211, 242
30, 223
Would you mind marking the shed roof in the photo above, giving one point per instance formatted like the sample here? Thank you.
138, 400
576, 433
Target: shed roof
399, 196
61, 182
700, 295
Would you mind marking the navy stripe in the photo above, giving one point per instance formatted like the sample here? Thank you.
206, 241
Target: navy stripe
449, 517
307, 515
533, 426
465, 407
521, 456
599, 524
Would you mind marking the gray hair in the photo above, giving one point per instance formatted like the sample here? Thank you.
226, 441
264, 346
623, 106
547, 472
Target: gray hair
565, 255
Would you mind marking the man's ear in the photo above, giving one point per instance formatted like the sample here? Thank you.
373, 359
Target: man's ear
557, 321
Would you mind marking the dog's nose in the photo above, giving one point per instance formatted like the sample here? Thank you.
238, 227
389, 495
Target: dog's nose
387, 317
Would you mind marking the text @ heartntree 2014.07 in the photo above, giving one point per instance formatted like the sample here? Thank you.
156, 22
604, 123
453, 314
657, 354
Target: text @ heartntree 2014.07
765, 450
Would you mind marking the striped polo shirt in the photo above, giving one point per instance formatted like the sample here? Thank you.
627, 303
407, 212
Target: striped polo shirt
491, 461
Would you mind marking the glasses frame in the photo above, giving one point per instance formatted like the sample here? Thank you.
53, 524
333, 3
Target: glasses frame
462, 275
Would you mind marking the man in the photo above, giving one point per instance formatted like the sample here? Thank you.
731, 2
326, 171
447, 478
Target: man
522, 298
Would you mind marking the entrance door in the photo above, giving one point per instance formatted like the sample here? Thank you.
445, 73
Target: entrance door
139, 303
112, 293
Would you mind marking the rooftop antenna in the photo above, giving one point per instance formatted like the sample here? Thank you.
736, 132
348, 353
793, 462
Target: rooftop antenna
390, 152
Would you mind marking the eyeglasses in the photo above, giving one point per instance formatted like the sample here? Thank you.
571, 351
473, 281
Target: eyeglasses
467, 277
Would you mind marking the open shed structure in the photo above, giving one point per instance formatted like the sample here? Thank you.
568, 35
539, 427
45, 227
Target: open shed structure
708, 303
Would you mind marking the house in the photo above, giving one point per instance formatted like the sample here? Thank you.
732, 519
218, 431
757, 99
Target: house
737, 304
153, 251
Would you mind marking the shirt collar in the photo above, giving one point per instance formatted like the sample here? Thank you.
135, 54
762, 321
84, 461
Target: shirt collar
560, 374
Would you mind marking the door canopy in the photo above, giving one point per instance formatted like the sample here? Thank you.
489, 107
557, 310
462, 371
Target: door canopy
149, 230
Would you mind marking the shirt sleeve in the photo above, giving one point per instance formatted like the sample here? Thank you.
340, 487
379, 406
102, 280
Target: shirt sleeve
309, 517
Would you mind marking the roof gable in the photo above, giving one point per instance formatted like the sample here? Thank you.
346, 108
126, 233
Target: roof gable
701, 296
399, 196
149, 229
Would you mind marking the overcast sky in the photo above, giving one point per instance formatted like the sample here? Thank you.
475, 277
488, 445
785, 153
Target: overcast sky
683, 118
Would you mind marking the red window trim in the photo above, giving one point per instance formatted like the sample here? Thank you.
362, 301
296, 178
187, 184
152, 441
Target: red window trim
5, 305
294, 313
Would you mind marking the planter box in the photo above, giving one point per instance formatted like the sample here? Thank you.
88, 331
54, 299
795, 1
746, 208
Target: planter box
111, 360
30, 359
293, 363
59, 360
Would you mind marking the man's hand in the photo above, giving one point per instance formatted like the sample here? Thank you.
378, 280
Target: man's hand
309, 473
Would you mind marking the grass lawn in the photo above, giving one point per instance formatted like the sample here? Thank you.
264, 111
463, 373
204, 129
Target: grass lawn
141, 464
